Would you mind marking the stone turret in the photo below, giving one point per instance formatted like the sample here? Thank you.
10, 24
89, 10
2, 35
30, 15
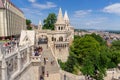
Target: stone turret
40, 25
60, 23
66, 18
60, 19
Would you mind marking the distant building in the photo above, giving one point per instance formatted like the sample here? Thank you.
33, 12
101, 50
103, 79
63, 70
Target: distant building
12, 19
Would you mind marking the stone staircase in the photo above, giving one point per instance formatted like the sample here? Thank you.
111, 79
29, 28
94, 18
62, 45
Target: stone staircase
51, 69
55, 76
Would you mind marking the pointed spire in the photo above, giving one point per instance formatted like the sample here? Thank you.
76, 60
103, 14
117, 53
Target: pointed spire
60, 19
40, 25
66, 18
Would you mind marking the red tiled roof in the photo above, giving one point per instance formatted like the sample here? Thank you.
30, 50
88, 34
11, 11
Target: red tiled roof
1, 4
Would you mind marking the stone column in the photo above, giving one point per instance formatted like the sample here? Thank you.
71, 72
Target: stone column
4, 66
28, 54
4, 70
19, 60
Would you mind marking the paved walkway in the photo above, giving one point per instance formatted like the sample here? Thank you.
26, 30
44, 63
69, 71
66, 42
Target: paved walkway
48, 56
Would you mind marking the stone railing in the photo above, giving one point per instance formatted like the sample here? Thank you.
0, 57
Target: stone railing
112, 74
15, 51
35, 58
53, 55
61, 42
15, 61
69, 76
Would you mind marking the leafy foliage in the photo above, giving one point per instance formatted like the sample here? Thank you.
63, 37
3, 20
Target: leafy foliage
50, 21
90, 55
28, 23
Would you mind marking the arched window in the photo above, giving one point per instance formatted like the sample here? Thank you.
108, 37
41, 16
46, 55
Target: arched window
61, 38
58, 28
52, 38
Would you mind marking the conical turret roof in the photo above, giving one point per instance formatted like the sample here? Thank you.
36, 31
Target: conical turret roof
60, 19
40, 23
66, 18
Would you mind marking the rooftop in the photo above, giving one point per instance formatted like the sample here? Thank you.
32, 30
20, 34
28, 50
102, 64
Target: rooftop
2, 6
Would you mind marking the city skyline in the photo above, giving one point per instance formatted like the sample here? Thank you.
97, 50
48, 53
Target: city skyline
84, 14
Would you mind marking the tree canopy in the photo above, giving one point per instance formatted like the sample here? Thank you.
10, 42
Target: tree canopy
50, 21
91, 56
28, 23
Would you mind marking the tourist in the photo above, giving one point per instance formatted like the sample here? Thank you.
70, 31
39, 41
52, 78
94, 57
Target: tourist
52, 62
47, 74
47, 45
43, 72
44, 61
36, 53
41, 78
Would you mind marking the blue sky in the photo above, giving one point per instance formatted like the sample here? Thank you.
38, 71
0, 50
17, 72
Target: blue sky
84, 14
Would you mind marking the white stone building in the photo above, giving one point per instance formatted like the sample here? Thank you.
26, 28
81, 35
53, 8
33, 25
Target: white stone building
60, 38
12, 19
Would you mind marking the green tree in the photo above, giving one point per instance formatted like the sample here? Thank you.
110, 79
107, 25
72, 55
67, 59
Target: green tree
116, 45
50, 21
114, 54
28, 23
98, 38
90, 55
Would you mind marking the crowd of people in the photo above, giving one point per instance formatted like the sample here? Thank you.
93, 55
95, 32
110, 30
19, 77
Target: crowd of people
9, 46
37, 51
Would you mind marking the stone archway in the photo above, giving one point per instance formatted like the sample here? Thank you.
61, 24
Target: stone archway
43, 39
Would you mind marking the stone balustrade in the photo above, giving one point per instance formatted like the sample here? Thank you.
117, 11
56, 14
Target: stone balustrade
69, 76
15, 59
35, 58
61, 42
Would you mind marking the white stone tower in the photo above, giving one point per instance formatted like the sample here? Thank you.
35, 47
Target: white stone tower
60, 23
40, 25
66, 19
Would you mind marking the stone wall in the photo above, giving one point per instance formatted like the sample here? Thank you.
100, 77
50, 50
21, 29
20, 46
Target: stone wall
0, 70
112, 74
1, 23
69, 76
30, 73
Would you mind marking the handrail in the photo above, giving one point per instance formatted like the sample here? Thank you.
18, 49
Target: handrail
35, 58
73, 76
54, 55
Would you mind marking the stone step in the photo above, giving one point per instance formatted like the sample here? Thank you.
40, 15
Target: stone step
51, 69
55, 76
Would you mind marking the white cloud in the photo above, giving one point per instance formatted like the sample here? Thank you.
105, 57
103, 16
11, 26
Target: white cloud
114, 8
32, 1
82, 13
96, 21
31, 11
48, 5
